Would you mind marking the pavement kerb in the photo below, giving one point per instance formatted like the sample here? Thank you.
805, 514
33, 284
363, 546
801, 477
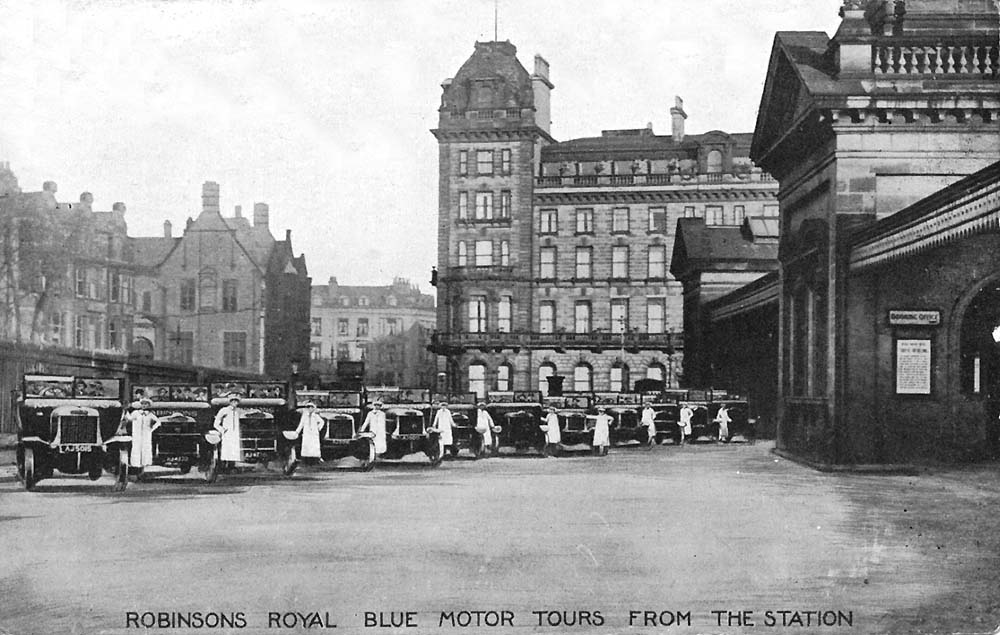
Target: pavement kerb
889, 469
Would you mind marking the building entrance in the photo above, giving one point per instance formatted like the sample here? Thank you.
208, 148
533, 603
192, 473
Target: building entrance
980, 357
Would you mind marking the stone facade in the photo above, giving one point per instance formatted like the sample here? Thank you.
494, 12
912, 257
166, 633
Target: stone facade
355, 323
893, 108
553, 257
67, 270
224, 294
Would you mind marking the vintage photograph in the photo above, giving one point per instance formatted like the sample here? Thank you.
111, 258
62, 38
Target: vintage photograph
498, 316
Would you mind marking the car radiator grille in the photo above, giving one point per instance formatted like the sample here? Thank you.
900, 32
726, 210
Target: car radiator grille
341, 429
411, 425
78, 429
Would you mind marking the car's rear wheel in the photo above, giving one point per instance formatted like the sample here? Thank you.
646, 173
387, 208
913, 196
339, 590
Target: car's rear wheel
28, 476
186, 468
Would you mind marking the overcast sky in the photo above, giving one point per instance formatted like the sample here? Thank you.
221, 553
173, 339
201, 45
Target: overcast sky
323, 109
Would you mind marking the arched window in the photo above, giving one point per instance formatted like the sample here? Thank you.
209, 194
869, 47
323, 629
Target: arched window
655, 371
504, 373
714, 163
545, 371
619, 377
583, 378
477, 379
142, 348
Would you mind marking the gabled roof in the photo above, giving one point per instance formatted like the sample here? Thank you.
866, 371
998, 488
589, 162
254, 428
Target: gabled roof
698, 246
152, 251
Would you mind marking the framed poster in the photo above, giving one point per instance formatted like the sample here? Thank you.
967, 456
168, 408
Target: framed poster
913, 367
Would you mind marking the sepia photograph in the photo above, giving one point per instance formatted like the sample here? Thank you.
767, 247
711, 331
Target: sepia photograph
500, 316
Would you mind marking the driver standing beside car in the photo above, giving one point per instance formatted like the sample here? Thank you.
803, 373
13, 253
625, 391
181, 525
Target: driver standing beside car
143, 423
684, 422
310, 425
443, 423
227, 422
485, 426
552, 435
649, 420
375, 423
602, 431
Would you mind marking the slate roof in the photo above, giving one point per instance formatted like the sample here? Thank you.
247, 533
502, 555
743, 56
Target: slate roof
647, 146
152, 251
701, 245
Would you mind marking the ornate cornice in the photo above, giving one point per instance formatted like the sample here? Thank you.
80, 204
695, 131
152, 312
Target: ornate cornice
544, 198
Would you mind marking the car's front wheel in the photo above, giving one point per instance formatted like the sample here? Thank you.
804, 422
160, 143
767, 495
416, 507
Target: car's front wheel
121, 478
291, 463
28, 476
368, 460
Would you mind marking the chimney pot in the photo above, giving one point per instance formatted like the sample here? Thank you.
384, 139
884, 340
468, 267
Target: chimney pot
677, 117
288, 235
118, 207
50, 186
87, 198
239, 211
210, 197
168, 229
260, 215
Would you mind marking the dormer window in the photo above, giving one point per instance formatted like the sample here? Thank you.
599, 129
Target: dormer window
714, 162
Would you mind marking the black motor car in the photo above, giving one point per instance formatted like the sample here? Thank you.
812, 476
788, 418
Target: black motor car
73, 425
407, 422
626, 414
185, 414
519, 416
341, 411
576, 428
741, 424
463, 413
265, 411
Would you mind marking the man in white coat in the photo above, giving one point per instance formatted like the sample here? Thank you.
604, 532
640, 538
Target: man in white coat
227, 422
552, 434
375, 423
649, 420
602, 432
485, 426
723, 419
143, 423
310, 425
443, 424
684, 423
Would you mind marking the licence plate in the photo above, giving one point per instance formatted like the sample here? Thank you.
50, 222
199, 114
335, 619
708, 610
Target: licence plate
339, 441
75, 447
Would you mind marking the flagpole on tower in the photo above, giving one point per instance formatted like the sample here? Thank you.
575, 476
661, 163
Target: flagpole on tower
496, 38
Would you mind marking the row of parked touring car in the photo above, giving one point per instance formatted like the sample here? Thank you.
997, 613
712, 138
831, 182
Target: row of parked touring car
80, 425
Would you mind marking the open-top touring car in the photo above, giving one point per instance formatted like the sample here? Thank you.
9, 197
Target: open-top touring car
73, 425
342, 412
185, 415
265, 410
407, 422
519, 415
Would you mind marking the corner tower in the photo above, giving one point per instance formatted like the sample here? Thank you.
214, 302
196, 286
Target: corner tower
493, 121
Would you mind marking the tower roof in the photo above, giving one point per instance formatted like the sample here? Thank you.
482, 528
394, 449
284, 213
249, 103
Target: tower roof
492, 78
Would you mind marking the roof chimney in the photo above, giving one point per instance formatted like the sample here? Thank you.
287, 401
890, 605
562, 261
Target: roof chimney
288, 235
239, 211
86, 200
260, 215
50, 186
542, 89
168, 229
677, 117
118, 207
210, 197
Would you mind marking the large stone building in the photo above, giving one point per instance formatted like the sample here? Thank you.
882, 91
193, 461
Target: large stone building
66, 270
553, 256
223, 294
885, 302
374, 324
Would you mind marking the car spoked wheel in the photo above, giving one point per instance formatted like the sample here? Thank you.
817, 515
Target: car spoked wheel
212, 469
95, 471
434, 453
368, 462
478, 446
186, 468
121, 478
291, 463
27, 472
